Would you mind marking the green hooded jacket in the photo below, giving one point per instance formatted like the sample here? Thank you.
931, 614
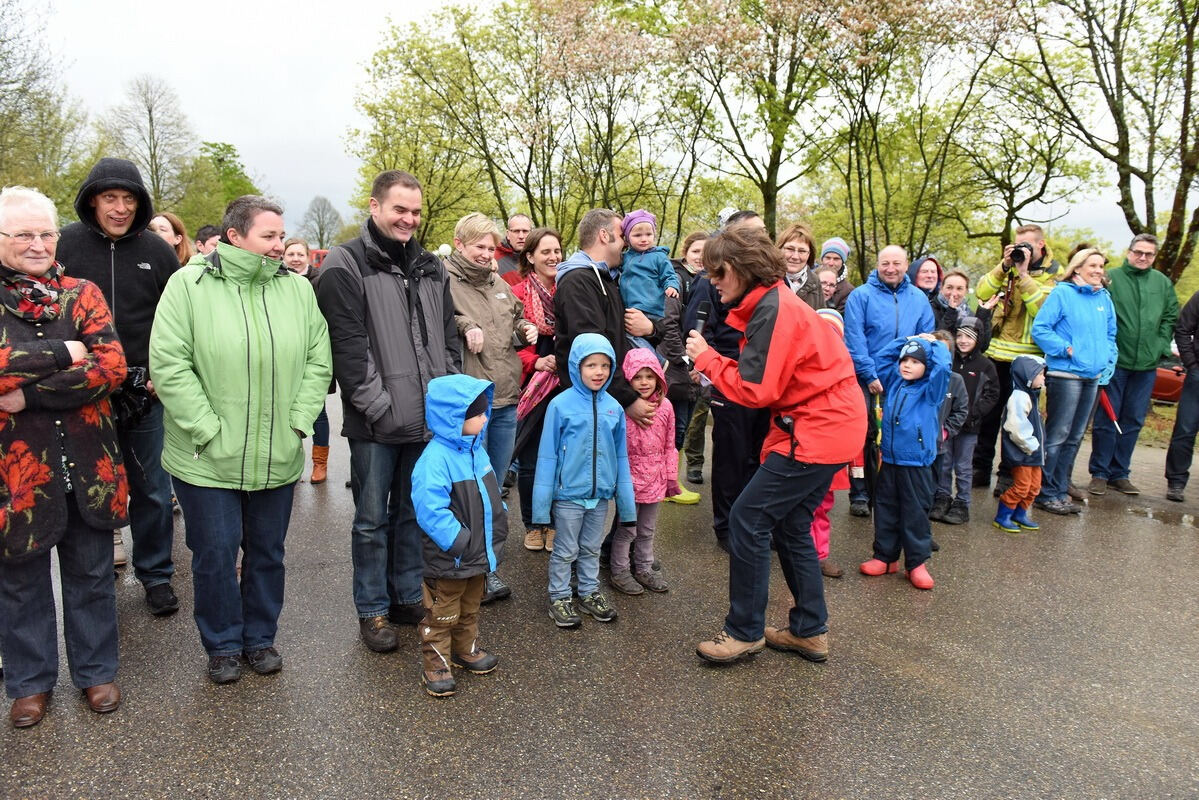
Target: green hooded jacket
1146, 310
239, 356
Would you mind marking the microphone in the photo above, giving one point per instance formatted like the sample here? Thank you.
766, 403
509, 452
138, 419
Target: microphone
701, 316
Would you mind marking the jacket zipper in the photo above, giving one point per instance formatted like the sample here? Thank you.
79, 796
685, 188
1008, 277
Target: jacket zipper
594, 441
112, 277
249, 380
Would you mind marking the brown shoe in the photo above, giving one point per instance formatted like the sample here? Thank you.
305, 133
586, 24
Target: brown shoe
813, 648
103, 699
320, 464
28, 711
535, 538
830, 569
724, 649
549, 539
377, 634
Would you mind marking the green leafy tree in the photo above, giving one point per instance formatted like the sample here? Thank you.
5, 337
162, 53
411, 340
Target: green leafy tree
213, 178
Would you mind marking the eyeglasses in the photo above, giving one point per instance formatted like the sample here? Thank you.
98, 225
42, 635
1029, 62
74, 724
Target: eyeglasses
1143, 253
26, 238
797, 251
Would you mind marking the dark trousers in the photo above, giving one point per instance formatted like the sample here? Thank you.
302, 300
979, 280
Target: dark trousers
902, 499
526, 473
150, 519
858, 490
778, 502
697, 430
1186, 426
737, 434
28, 629
236, 616
988, 428
1130, 394
320, 429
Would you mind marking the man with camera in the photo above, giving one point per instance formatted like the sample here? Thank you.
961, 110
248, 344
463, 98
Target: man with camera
1022, 281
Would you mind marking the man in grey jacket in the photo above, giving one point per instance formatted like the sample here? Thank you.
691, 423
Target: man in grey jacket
391, 324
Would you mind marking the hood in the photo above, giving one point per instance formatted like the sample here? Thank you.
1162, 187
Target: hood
445, 407
584, 345
915, 267
875, 280
580, 260
640, 358
467, 271
504, 249
1024, 369
114, 173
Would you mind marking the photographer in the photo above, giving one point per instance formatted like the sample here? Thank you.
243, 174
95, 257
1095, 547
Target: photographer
1021, 281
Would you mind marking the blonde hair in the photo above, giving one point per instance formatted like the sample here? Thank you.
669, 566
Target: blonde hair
1078, 259
296, 240
475, 226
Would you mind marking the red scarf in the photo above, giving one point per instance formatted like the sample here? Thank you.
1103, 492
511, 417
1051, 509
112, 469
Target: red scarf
30, 297
539, 305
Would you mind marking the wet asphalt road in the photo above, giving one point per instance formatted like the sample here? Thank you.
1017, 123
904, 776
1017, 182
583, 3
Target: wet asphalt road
1057, 664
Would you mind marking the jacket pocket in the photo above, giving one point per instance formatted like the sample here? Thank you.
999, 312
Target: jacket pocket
405, 415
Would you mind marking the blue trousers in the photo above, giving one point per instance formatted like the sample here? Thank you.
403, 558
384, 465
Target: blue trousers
28, 628
580, 534
777, 503
902, 499
1068, 405
150, 518
501, 438
320, 429
1111, 452
1186, 426
232, 616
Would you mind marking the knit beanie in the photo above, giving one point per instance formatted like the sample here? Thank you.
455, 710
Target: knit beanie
914, 349
478, 406
634, 217
969, 326
836, 245
833, 317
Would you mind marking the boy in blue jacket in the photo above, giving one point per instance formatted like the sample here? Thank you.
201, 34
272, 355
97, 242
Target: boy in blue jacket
1023, 437
458, 506
582, 464
915, 375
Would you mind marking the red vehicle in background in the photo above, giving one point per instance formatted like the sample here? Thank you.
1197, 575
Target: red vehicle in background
1167, 387
316, 258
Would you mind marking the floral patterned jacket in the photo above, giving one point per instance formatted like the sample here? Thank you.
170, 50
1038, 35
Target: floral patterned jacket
67, 430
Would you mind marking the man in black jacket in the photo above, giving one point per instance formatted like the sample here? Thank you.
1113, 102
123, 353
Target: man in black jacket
1186, 419
111, 247
391, 325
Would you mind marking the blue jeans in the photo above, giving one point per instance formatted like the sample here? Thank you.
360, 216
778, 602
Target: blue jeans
501, 438
580, 534
1068, 405
232, 616
385, 540
1111, 453
320, 429
957, 468
28, 629
777, 503
1186, 426
150, 519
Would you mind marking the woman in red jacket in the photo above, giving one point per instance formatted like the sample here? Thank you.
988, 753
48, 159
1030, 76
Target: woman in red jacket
793, 364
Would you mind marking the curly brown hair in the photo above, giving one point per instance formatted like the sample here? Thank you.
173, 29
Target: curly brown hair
750, 254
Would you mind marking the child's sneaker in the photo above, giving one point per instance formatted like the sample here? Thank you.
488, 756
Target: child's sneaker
596, 605
480, 662
535, 538
549, 538
563, 613
651, 580
624, 583
438, 682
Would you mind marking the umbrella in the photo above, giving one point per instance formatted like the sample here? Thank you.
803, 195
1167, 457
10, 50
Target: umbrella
1107, 409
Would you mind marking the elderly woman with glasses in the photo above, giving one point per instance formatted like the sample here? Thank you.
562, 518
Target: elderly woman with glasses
64, 484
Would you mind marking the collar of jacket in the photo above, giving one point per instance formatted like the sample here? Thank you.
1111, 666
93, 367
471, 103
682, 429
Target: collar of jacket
420, 261
241, 266
738, 317
468, 271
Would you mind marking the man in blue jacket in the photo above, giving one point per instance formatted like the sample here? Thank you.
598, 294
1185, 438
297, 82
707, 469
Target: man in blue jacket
880, 311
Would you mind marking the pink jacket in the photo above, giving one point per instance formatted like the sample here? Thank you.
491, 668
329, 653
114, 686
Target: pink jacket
653, 459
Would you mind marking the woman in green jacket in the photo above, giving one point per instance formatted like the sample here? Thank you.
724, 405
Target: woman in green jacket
240, 358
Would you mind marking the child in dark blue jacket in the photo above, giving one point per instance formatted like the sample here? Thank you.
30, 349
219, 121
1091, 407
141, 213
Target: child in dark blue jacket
1023, 437
915, 375
582, 463
458, 506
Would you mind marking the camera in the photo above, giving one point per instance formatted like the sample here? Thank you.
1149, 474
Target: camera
1019, 252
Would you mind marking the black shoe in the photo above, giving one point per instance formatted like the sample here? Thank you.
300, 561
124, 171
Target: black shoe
563, 613
695, 475
1174, 492
162, 600
224, 669
377, 635
479, 662
496, 590
596, 605
439, 683
940, 506
723, 544
982, 478
264, 661
957, 514
932, 543
406, 614
859, 508
509, 479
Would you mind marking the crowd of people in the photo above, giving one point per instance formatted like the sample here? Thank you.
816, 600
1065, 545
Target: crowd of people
143, 370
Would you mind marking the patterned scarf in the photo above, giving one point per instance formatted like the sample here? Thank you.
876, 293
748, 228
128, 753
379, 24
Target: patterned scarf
539, 305
29, 297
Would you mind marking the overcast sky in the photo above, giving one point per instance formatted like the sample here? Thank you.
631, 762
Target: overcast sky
276, 80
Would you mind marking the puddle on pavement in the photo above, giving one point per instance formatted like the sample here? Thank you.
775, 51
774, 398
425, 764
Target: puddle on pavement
1166, 517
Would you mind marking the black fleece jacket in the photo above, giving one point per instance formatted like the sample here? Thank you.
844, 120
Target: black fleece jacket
140, 263
1184, 333
982, 385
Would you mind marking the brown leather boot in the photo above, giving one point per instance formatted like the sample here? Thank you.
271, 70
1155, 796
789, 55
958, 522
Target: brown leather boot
320, 464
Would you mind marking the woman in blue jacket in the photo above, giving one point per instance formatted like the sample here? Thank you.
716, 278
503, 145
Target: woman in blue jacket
1076, 329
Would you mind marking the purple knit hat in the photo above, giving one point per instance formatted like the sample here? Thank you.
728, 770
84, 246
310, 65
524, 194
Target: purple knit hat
640, 215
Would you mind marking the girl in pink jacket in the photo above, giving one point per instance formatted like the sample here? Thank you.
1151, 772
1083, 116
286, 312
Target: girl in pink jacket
654, 463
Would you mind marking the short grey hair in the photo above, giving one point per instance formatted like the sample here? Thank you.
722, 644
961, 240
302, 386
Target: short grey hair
14, 198
240, 214
1148, 238
594, 221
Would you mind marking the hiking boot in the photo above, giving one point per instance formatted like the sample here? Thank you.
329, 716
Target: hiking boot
406, 614
813, 648
1076, 494
651, 580
1021, 518
1124, 486
377, 635
438, 682
1059, 507
549, 539
920, 578
223, 669
859, 508
829, 569
1097, 486
940, 506
1174, 492
265, 660
535, 539
958, 513
624, 583
563, 613
496, 589
685, 497
724, 649
1003, 519
480, 662
875, 567
596, 606
162, 600
695, 475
